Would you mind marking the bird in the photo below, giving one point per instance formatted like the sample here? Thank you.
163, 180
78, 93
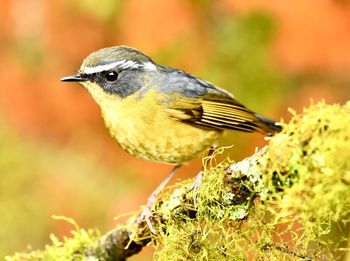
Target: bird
161, 114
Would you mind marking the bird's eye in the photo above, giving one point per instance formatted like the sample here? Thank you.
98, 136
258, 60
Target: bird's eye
112, 76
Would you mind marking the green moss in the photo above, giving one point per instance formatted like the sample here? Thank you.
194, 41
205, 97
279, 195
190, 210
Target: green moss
289, 201
74, 248
313, 168
282, 203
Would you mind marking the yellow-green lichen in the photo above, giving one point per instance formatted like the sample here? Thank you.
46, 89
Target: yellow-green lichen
289, 201
284, 204
313, 166
75, 248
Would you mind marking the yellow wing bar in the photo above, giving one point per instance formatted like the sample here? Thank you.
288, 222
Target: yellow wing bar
221, 114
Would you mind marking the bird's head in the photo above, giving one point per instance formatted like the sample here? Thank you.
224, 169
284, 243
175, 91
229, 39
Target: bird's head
114, 71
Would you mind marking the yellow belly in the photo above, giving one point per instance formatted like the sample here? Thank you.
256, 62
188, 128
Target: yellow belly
145, 130
163, 142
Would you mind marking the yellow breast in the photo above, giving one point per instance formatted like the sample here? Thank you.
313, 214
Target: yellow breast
144, 129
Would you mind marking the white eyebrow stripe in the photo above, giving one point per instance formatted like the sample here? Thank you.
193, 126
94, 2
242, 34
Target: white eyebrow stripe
123, 64
149, 66
106, 67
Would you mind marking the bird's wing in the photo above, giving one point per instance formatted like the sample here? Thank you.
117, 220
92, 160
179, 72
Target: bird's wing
220, 112
200, 103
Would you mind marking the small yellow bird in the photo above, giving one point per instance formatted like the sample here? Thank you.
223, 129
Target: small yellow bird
158, 113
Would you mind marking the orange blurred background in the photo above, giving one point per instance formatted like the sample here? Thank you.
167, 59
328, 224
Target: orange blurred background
56, 156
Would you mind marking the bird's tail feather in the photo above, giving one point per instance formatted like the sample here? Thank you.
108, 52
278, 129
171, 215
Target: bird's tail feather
270, 126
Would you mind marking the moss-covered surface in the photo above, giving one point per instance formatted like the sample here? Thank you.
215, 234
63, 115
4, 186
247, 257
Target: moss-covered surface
62, 250
289, 201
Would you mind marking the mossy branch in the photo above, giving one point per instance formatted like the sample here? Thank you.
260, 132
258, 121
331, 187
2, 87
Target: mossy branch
289, 201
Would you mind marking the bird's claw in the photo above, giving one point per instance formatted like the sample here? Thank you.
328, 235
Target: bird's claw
146, 216
195, 186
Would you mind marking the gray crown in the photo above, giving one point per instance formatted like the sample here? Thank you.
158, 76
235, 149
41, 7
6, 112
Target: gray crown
120, 56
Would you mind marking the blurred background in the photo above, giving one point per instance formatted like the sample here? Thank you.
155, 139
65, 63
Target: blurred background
56, 158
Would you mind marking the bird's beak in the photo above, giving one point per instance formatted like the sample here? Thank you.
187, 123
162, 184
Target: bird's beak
75, 78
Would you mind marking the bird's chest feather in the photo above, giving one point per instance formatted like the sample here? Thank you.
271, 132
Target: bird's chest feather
144, 129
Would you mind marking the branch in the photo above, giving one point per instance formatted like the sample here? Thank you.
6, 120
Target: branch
290, 200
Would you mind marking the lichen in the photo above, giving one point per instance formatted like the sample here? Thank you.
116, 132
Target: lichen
289, 201
282, 203
69, 248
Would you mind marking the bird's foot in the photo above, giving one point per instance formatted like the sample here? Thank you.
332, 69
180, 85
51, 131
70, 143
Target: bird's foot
195, 186
199, 178
146, 214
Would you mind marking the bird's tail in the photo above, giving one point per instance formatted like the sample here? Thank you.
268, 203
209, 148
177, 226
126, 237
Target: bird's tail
269, 126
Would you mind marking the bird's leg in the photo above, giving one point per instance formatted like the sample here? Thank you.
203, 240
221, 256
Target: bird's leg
146, 213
